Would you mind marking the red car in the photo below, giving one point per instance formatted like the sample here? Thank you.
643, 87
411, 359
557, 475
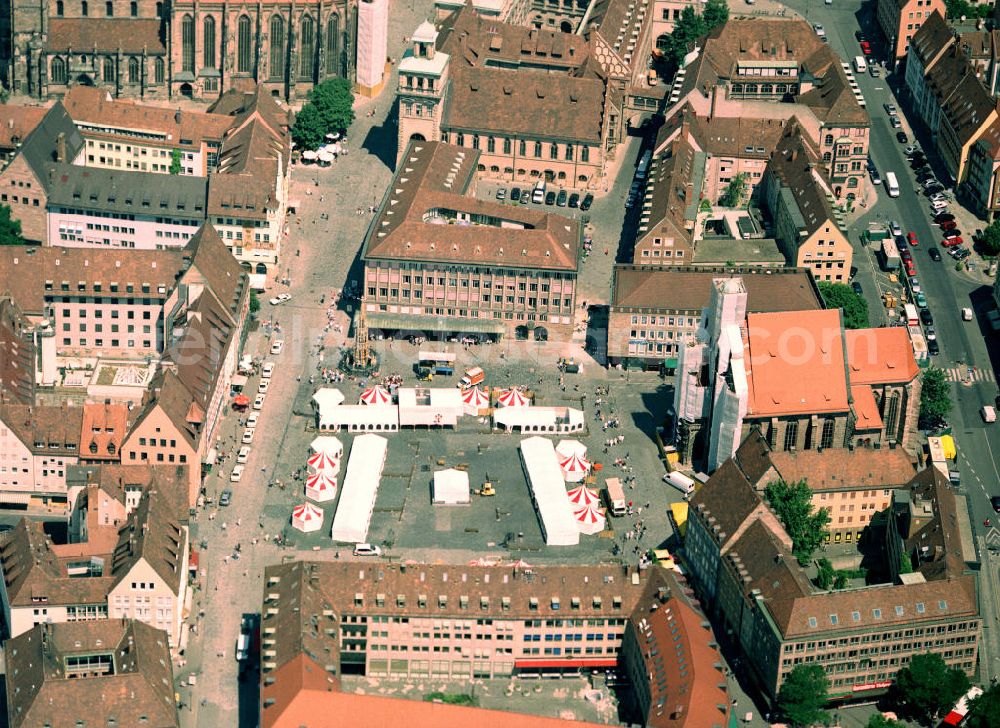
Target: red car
911, 238
951, 242
866, 47
949, 225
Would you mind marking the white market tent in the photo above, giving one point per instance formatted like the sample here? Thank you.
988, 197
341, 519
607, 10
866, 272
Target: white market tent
565, 448
551, 420
451, 487
307, 518
327, 397
429, 407
362, 418
589, 519
321, 487
575, 468
548, 492
328, 444
359, 490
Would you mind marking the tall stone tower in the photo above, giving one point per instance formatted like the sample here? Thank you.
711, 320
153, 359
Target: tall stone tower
423, 75
373, 41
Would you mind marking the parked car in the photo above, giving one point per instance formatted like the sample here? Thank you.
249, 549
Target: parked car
226, 497
876, 177
952, 242
253, 419
933, 348
550, 197
856, 287
895, 122
995, 502
895, 228
263, 385
921, 300
588, 200
914, 284
934, 254
818, 28
866, 47
943, 217
574, 200
859, 36
367, 549
237, 473
901, 137
248, 435
952, 233
243, 455
890, 109
267, 370
277, 346
926, 317
258, 402
962, 254
873, 70
933, 188
502, 193
911, 150
561, 198
281, 298
515, 194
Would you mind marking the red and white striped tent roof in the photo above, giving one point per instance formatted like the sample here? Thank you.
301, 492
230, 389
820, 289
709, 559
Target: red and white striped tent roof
589, 519
323, 461
375, 395
475, 397
513, 397
582, 496
307, 517
574, 467
321, 486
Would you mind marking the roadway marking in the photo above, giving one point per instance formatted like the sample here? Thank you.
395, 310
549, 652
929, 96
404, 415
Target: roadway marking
961, 374
993, 461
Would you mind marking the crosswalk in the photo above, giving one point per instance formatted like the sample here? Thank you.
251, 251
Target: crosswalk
961, 374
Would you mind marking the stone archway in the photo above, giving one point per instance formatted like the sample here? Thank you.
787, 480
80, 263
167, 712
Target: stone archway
84, 79
417, 138
541, 333
186, 90
663, 42
566, 26
261, 268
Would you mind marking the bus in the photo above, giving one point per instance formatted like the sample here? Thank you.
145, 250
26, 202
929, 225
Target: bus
910, 312
892, 184
439, 362
957, 715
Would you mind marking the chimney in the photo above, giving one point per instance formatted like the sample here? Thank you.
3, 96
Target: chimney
177, 116
61, 147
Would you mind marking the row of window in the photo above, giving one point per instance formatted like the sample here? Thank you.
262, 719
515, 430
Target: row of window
99, 343
109, 8
245, 52
59, 70
507, 145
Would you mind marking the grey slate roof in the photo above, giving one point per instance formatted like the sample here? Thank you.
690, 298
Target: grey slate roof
131, 192
39, 149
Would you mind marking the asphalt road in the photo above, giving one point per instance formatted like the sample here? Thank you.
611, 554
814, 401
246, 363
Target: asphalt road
963, 344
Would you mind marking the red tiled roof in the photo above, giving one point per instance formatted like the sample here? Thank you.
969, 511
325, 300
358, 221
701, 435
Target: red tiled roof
880, 356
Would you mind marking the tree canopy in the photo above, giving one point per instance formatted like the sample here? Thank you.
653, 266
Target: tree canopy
880, 721
991, 238
802, 696
984, 711
855, 307
927, 686
330, 109
10, 229
732, 196
955, 9
935, 398
806, 526
691, 26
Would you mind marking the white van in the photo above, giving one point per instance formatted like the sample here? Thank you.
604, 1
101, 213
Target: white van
242, 647
680, 481
538, 195
859, 64
989, 414
615, 497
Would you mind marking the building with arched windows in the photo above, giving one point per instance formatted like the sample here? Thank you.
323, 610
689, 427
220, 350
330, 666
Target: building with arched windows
148, 49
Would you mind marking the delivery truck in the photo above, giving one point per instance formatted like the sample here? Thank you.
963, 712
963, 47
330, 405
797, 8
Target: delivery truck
680, 481
615, 496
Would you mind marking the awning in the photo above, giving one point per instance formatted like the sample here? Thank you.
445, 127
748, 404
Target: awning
581, 662
238, 380
670, 363
211, 456
258, 281
434, 323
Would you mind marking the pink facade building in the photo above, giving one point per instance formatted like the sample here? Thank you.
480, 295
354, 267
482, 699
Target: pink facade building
373, 36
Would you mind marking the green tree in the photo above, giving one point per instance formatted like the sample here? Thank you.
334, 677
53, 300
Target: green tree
716, 13
991, 238
330, 109
927, 686
880, 721
854, 307
10, 229
732, 196
935, 398
254, 303
984, 710
825, 573
803, 696
955, 9
806, 526
175, 161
